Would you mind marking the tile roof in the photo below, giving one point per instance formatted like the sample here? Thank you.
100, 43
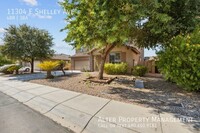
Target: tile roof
80, 55
61, 57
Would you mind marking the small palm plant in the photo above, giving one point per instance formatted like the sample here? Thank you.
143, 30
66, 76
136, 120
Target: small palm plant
62, 65
48, 66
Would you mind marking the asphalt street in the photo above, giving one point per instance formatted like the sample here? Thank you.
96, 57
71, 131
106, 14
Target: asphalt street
18, 118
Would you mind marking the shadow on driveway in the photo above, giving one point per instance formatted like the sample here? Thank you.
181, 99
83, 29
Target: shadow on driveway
38, 75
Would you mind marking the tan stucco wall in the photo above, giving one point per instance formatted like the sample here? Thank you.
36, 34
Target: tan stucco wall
36, 63
131, 58
150, 64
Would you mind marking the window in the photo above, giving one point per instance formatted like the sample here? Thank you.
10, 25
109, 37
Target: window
115, 58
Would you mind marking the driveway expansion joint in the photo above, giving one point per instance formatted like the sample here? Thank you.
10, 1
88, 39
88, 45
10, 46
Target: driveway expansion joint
23, 90
77, 110
95, 115
39, 95
62, 102
161, 126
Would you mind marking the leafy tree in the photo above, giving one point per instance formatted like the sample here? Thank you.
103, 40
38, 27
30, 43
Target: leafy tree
106, 24
4, 60
49, 66
27, 44
168, 23
100, 24
166, 19
179, 62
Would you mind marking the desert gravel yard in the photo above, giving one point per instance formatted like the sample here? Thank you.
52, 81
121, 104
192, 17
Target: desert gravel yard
165, 96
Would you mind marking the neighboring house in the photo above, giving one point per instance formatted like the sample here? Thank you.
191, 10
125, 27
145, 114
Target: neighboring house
56, 57
150, 63
90, 60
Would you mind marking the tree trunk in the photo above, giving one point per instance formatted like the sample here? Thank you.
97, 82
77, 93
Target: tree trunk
105, 53
62, 68
49, 75
101, 68
63, 71
17, 72
32, 65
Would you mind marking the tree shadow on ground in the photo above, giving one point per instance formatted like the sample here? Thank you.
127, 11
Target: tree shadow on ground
39, 75
63, 77
25, 77
163, 96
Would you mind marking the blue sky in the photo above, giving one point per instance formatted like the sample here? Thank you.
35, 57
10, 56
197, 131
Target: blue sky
41, 14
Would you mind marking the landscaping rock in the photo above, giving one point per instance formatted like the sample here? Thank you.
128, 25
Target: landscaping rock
139, 84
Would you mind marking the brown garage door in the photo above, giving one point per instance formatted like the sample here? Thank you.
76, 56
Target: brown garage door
82, 65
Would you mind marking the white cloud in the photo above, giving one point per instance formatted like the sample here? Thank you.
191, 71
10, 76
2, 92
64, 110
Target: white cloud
42, 16
31, 2
2, 30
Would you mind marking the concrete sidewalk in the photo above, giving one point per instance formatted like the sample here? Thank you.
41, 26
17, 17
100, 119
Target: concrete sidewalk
16, 117
89, 114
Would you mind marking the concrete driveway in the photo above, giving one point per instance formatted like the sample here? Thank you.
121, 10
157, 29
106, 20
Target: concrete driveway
18, 118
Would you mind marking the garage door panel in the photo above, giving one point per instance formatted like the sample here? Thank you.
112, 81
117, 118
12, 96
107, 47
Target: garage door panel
82, 65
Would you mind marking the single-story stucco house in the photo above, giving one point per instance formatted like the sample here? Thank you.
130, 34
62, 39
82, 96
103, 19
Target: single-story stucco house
58, 57
55, 57
90, 60
150, 63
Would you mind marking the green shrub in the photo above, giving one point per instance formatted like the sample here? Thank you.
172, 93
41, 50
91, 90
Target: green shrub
7, 69
179, 62
14, 68
121, 68
4, 61
139, 70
